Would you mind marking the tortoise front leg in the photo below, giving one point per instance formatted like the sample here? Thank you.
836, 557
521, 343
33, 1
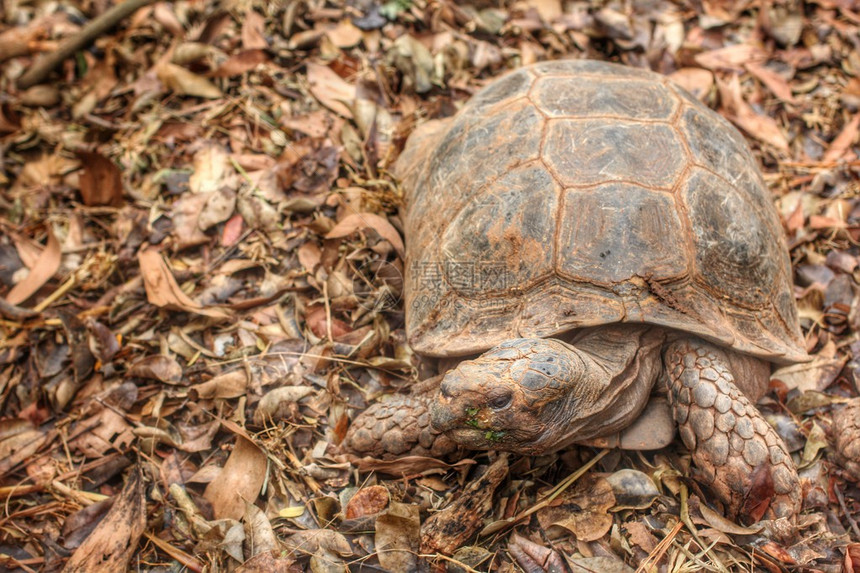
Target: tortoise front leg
730, 440
399, 427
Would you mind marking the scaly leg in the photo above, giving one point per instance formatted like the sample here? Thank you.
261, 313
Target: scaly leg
846, 431
730, 441
397, 427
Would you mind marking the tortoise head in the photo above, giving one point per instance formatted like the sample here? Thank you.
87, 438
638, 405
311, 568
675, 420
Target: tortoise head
518, 396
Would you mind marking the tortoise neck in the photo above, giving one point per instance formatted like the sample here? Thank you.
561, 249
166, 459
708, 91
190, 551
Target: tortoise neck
624, 364
613, 347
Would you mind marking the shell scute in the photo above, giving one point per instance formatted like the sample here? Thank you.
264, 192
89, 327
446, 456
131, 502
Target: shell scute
594, 151
583, 97
575, 68
736, 252
508, 226
601, 227
714, 143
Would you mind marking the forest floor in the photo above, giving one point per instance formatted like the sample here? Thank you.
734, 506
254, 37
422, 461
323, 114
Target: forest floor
200, 254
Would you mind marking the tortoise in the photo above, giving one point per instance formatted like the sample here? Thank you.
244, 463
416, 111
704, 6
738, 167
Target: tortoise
606, 245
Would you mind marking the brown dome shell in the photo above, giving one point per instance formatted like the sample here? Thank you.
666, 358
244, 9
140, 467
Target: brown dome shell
571, 194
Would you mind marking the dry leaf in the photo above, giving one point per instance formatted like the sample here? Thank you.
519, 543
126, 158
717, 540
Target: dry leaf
218, 208
113, 542
157, 367
239, 482
582, 510
815, 375
228, 385
406, 465
311, 541
697, 81
162, 289
254, 31
774, 82
40, 96
367, 501
415, 61
212, 170
274, 401
185, 214
259, 534
844, 140
739, 112
398, 537
80, 524
548, 10
183, 82
816, 441
269, 563
41, 273
641, 536
330, 89
355, 221
163, 13
729, 58
759, 495
9, 120
110, 432
21, 447
345, 34
232, 231
309, 256
599, 564
851, 564
533, 556
40, 172
315, 124
18, 41
317, 321
720, 523
240, 63
101, 183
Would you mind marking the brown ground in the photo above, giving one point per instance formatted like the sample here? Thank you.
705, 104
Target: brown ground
194, 310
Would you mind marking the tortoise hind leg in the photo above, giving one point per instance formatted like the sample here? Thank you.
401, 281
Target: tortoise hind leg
730, 440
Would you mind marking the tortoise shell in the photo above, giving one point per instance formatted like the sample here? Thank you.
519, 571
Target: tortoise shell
572, 194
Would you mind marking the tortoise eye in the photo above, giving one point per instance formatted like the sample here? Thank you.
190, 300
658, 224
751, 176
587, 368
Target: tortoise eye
499, 402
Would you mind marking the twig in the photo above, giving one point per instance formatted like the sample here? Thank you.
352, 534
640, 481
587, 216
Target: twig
181, 556
451, 560
685, 518
497, 526
659, 550
88, 34
696, 558
845, 511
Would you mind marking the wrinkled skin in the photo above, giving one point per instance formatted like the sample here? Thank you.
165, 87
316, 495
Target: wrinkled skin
533, 396
511, 397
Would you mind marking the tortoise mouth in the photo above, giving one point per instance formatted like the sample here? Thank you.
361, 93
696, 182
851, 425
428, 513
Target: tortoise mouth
472, 438
468, 429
